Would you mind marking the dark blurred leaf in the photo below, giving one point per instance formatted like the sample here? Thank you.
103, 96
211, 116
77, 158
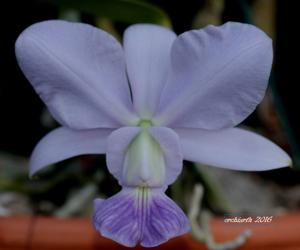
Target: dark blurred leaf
129, 11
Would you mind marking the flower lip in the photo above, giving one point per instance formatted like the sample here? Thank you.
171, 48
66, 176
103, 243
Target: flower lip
140, 215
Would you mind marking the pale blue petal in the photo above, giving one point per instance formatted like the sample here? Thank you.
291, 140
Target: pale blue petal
64, 143
78, 71
219, 75
232, 148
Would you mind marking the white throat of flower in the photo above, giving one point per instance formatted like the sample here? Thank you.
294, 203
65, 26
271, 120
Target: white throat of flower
144, 164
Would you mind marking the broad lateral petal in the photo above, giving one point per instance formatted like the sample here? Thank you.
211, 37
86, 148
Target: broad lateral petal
218, 76
147, 51
63, 143
79, 72
232, 148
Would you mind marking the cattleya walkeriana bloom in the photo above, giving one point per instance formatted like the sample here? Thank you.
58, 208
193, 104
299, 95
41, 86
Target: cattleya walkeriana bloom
148, 105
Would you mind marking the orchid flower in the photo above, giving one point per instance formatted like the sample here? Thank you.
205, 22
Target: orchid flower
147, 105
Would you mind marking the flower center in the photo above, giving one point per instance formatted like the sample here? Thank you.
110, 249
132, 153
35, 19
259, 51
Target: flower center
144, 163
145, 124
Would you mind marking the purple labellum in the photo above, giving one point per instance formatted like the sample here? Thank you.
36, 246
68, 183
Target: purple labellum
139, 215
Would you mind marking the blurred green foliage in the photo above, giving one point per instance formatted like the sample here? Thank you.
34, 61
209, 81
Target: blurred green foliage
128, 11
